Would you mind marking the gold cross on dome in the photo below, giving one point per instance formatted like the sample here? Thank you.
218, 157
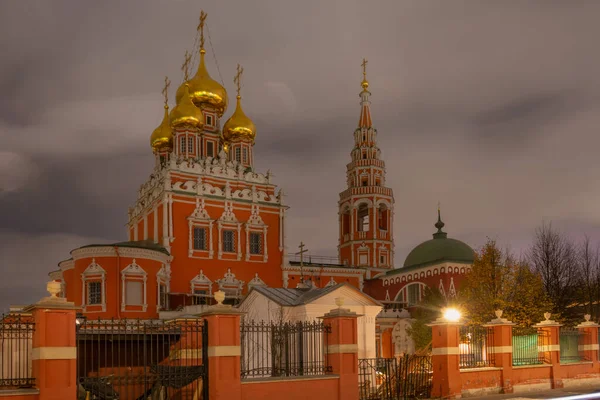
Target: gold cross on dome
237, 79
201, 28
364, 66
165, 90
185, 67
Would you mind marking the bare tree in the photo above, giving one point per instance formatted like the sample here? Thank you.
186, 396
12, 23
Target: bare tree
587, 262
554, 257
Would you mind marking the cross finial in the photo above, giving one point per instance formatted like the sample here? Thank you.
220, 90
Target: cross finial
165, 90
364, 66
237, 79
185, 67
438, 207
201, 29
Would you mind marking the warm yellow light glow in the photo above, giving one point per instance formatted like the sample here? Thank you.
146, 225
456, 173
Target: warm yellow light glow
451, 314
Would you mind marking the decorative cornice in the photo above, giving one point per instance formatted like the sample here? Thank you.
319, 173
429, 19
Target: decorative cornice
109, 251
324, 269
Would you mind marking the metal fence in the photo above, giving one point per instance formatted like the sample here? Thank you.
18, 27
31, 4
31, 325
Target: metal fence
529, 346
406, 377
133, 359
475, 347
16, 334
283, 349
570, 339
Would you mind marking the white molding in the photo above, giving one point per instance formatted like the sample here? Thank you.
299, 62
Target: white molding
67, 264
163, 276
130, 252
93, 272
133, 272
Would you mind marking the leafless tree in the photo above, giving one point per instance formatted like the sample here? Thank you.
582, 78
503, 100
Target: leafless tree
554, 257
587, 262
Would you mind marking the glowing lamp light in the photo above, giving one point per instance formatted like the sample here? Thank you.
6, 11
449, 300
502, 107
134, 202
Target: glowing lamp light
451, 314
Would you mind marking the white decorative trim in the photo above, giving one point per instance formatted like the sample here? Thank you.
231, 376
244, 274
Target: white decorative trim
133, 272
342, 348
501, 349
54, 353
130, 252
256, 281
587, 347
445, 351
201, 281
331, 282
67, 264
229, 281
224, 351
163, 277
93, 272
452, 289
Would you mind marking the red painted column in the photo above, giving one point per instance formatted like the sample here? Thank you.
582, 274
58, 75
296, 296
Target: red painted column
54, 355
552, 329
503, 349
445, 356
342, 351
589, 346
223, 324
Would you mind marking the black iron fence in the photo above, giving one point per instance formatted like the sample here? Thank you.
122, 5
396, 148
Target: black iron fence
406, 377
475, 346
16, 334
530, 346
283, 349
133, 359
570, 339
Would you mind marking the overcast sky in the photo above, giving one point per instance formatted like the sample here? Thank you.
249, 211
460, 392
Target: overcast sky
490, 107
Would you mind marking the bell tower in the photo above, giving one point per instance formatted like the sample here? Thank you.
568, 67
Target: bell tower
366, 207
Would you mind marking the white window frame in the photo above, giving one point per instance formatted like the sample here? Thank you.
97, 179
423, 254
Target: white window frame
230, 284
163, 278
93, 272
133, 272
201, 282
232, 242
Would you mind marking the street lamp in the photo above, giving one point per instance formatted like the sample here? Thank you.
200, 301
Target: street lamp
451, 314
80, 318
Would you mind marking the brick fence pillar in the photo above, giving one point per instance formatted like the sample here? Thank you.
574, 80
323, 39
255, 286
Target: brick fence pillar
445, 356
54, 346
552, 347
342, 350
502, 348
223, 323
589, 343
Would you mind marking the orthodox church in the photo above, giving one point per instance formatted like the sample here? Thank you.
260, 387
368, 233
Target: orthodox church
206, 220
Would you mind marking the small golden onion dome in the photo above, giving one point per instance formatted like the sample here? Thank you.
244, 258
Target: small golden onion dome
239, 126
205, 90
365, 84
185, 112
226, 147
162, 137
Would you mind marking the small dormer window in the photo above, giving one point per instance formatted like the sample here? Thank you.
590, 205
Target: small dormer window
210, 149
209, 120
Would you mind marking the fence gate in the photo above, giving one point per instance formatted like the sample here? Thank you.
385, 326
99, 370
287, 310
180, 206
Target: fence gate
142, 360
405, 377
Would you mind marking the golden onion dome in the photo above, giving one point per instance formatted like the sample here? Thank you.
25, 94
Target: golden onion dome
185, 112
162, 137
239, 126
205, 90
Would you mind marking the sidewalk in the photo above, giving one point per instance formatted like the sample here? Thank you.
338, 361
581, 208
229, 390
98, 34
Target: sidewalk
582, 393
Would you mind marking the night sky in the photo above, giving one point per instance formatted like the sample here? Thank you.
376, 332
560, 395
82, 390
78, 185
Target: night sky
491, 108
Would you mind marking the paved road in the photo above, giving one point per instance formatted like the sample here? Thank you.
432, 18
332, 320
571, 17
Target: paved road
583, 393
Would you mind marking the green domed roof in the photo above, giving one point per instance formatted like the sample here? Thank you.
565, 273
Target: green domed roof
439, 249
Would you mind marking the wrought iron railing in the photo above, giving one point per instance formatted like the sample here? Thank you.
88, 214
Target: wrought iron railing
16, 335
529, 346
475, 347
140, 359
406, 377
283, 349
570, 339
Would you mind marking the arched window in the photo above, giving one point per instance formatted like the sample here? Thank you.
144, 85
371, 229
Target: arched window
363, 218
382, 217
346, 222
411, 294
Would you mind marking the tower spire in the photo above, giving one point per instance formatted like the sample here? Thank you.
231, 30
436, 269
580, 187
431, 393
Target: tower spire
439, 225
365, 105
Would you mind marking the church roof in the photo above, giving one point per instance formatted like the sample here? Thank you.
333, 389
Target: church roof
439, 249
296, 297
138, 244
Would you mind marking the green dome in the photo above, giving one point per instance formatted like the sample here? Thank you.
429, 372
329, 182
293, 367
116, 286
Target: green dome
439, 249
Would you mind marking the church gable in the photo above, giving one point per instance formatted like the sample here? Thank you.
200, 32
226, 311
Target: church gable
351, 297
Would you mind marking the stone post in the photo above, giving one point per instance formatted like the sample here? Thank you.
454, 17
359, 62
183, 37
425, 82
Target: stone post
502, 348
552, 347
224, 350
445, 353
54, 346
589, 344
342, 349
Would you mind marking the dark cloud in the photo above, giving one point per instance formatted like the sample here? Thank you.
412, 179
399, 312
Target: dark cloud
490, 108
